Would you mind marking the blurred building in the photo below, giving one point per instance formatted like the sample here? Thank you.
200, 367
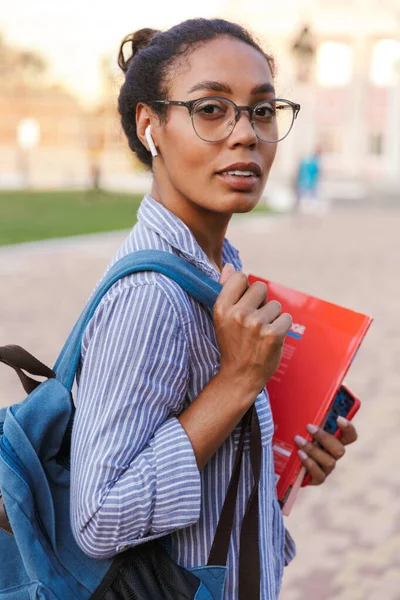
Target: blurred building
70, 143
351, 96
340, 60
49, 139
48, 156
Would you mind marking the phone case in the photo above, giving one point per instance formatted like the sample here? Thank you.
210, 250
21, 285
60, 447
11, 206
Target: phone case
345, 404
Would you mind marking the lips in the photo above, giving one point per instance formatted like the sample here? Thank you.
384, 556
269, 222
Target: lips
241, 176
242, 168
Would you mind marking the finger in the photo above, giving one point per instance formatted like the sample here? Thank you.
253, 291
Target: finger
233, 290
270, 311
349, 432
254, 297
328, 441
324, 460
316, 473
227, 271
280, 326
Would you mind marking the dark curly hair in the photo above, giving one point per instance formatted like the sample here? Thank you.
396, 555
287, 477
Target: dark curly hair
153, 56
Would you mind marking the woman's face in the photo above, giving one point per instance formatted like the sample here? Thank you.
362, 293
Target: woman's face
193, 170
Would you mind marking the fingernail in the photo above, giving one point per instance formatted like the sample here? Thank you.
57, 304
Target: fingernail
312, 429
302, 454
227, 266
342, 421
300, 440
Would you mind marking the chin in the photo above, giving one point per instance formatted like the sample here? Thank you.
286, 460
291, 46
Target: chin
240, 201
245, 208
244, 203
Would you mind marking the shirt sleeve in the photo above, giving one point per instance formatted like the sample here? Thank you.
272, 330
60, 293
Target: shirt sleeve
290, 548
134, 475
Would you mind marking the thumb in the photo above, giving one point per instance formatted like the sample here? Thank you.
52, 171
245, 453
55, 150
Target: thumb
226, 272
349, 432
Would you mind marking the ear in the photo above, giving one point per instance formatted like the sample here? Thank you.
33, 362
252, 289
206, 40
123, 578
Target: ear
144, 118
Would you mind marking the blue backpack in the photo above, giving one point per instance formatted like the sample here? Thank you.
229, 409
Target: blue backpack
39, 558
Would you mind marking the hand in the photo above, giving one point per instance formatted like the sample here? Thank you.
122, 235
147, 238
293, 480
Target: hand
250, 332
320, 462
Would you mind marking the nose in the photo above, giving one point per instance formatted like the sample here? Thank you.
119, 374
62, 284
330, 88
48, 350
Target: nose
243, 131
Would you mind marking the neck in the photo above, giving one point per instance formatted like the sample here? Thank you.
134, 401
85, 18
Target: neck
209, 228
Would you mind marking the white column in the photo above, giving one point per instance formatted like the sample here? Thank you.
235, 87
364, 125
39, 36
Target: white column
356, 141
306, 121
392, 138
392, 133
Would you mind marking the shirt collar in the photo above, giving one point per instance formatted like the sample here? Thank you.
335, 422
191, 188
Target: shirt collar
168, 226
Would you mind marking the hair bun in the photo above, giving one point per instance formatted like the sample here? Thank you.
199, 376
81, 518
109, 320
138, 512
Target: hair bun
137, 40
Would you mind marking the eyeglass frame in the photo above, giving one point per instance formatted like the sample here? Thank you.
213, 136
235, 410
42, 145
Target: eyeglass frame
189, 104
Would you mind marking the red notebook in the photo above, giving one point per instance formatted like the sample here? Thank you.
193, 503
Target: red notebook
317, 354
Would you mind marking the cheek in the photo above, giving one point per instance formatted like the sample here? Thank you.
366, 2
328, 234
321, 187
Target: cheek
269, 153
186, 156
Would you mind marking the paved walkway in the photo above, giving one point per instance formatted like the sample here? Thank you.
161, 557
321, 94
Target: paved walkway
347, 531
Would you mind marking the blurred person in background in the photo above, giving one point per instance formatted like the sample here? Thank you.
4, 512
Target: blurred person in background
164, 382
308, 179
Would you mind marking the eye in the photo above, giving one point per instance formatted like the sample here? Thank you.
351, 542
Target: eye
210, 109
265, 112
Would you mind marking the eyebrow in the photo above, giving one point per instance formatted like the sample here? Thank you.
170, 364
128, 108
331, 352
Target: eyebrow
264, 88
217, 86
213, 86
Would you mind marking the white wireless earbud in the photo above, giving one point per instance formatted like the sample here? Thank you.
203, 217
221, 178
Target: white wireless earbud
150, 141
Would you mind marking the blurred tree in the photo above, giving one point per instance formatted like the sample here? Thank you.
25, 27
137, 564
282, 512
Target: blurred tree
20, 68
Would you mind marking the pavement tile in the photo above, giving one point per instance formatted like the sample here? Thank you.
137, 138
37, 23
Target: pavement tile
348, 530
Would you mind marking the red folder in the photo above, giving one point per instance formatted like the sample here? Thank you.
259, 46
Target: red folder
317, 354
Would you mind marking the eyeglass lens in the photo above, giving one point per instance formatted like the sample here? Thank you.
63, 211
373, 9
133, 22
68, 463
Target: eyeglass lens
213, 120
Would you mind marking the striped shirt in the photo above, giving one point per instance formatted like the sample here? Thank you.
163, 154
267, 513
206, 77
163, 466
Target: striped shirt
147, 353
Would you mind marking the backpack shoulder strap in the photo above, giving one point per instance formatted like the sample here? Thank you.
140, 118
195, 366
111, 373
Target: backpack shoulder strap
201, 287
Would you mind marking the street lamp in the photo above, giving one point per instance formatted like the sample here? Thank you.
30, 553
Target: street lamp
28, 137
303, 50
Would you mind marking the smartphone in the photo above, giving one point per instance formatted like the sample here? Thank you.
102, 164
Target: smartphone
345, 404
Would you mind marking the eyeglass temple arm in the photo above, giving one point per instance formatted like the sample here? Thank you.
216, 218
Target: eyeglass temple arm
188, 105
172, 103
296, 108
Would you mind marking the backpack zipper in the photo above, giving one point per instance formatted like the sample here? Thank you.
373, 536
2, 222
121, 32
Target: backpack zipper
10, 458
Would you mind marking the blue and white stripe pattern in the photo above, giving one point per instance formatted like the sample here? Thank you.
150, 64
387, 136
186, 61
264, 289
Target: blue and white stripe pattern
147, 353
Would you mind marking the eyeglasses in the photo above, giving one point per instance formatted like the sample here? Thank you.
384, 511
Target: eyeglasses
214, 118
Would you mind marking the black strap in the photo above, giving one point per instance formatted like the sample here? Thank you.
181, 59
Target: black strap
249, 556
20, 360
220, 548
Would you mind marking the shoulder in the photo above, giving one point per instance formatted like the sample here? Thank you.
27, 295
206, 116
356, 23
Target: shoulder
141, 237
146, 286
145, 301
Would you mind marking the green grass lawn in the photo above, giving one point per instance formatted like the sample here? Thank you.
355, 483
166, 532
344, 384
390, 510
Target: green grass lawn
28, 216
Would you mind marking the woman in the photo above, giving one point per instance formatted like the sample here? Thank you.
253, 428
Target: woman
164, 383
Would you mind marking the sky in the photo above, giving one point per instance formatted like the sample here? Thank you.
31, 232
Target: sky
73, 34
